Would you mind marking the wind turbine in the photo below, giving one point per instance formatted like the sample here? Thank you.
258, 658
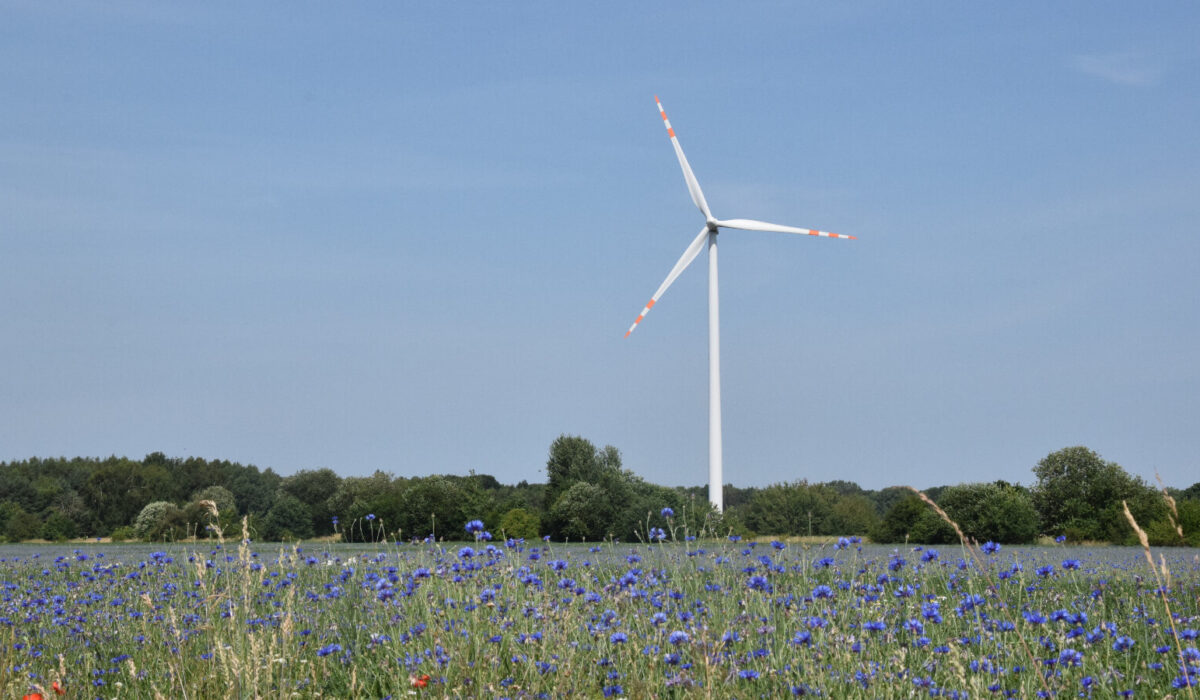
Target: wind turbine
712, 226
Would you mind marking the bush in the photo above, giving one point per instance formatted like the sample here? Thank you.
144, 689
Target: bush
288, 519
898, 521
998, 512
151, 519
22, 526
58, 528
123, 534
520, 523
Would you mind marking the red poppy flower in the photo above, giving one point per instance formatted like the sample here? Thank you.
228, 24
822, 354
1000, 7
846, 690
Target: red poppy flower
58, 689
419, 681
32, 696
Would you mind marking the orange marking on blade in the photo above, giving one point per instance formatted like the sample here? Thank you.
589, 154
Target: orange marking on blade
670, 132
664, 114
650, 304
628, 332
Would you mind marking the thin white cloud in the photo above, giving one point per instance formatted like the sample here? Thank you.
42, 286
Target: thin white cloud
1122, 68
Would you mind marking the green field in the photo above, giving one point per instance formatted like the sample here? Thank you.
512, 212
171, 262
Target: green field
712, 618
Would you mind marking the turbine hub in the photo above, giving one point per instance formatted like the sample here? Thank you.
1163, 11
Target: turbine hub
712, 225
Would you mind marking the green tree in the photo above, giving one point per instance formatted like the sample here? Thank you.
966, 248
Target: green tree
58, 527
151, 519
852, 514
583, 512
997, 511
21, 525
289, 519
520, 523
1079, 494
790, 509
221, 497
1165, 531
313, 488
912, 520
619, 496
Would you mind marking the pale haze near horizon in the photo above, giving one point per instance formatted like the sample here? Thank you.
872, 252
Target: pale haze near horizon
411, 238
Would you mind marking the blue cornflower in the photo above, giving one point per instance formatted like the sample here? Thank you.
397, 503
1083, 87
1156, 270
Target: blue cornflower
667, 512
370, 516
1060, 539
990, 547
678, 637
474, 526
929, 555
1034, 617
330, 649
822, 591
466, 553
1070, 657
618, 638
748, 674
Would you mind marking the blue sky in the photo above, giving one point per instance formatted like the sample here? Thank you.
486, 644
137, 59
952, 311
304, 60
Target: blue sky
410, 237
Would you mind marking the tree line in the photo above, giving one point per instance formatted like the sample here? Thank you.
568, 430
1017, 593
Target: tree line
588, 496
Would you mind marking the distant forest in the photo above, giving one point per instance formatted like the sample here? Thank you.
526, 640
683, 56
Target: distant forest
588, 496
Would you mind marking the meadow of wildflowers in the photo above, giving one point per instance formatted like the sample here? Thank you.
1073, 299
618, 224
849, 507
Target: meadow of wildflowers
662, 618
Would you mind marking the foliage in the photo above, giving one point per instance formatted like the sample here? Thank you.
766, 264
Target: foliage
588, 494
911, 520
789, 509
289, 519
521, 524
852, 514
1079, 494
20, 525
152, 518
123, 534
58, 527
998, 512
1165, 531
313, 489
583, 512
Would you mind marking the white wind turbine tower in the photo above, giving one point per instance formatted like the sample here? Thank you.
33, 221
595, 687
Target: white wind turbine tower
709, 232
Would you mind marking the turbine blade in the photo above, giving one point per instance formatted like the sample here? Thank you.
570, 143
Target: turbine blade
684, 260
692, 185
752, 225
